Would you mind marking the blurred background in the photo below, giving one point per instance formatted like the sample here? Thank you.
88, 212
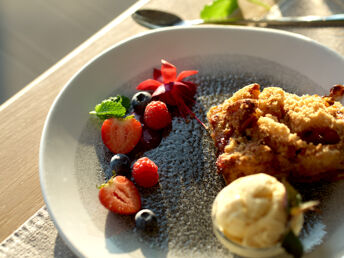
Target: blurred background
35, 34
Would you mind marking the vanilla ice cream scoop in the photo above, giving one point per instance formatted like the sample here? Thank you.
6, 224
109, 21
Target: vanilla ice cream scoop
251, 211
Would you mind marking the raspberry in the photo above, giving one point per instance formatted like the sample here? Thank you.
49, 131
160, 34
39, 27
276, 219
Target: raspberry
156, 115
145, 172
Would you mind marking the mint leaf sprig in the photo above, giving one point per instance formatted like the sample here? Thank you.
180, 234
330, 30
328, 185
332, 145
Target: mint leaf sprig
292, 244
294, 206
112, 107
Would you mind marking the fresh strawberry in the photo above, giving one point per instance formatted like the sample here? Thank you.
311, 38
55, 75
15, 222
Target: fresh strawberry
156, 115
145, 172
121, 135
120, 195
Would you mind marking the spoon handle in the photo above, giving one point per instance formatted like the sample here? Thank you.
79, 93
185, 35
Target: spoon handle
335, 19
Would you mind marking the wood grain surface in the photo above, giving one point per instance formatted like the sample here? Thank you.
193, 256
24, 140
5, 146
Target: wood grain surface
22, 117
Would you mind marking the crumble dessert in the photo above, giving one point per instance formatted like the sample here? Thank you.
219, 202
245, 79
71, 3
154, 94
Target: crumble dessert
279, 133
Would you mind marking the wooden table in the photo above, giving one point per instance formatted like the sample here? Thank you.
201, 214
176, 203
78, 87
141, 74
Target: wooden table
22, 117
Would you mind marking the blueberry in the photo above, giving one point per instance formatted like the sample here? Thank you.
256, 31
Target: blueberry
146, 220
120, 165
140, 100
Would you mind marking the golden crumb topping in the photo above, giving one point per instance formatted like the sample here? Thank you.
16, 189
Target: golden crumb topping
279, 133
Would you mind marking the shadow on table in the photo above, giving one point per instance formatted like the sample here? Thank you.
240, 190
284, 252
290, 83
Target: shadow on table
62, 250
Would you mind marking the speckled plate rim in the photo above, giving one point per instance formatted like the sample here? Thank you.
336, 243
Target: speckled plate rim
289, 49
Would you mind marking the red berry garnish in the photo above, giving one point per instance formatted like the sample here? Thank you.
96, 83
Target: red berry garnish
145, 172
120, 195
172, 88
156, 115
121, 135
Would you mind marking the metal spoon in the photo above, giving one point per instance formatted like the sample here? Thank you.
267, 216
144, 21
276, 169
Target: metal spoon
153, 19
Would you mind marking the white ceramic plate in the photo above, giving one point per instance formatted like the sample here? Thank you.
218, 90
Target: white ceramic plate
72, 157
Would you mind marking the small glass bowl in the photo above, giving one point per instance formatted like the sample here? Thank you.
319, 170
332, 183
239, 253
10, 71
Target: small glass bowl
238, 249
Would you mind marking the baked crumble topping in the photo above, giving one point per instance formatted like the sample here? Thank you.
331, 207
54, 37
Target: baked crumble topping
279, 133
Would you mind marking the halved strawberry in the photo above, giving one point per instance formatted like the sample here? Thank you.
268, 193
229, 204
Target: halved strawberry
121, 135
120, 195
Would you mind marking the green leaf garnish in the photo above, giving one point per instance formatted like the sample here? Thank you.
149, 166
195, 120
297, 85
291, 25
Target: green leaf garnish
112, 107
125, 101
294, 198
100, 186
292, 244
129, 117
109, 109
219, 9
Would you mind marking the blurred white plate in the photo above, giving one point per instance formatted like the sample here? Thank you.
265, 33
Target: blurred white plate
71, 163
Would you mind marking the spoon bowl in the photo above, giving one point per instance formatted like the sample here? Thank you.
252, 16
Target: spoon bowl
153, 19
